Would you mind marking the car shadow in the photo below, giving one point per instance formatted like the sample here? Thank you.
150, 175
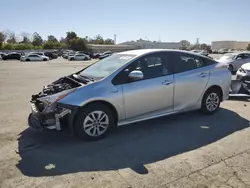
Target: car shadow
131, 146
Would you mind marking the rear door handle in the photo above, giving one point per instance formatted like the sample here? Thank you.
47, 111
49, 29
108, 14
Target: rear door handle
203, 74
167, 82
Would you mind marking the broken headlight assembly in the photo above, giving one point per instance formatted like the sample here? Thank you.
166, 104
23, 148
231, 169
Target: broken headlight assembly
242, 70
51, 101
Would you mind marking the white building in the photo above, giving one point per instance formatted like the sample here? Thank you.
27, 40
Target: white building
237, 45
112, 47
153, 45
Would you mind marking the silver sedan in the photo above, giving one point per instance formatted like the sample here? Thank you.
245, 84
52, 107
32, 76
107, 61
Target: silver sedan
129, 87
235, 60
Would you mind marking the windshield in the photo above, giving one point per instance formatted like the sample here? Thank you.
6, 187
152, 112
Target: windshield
106, 66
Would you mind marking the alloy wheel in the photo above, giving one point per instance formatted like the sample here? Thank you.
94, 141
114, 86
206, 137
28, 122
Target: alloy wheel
212, 102
96, 123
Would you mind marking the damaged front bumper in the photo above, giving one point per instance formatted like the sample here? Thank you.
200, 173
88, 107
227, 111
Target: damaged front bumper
47, 121
239, 88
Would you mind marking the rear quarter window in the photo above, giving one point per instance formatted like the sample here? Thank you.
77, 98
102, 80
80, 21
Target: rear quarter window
208, 62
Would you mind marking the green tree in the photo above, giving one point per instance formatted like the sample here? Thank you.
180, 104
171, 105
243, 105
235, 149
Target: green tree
37, 39
78, 44
109, 41
206, 47
184, 44
7, 46
51, 38
2, 39
248, 47
26, 38
11, 37
53, 45
98, 39
22, 47
70, 35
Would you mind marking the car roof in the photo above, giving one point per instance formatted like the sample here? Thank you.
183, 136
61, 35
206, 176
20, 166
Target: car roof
146, 51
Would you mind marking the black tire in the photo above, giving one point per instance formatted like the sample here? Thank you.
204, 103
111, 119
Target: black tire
27, 59
44, 59
71, 59
231, 68
79, 129
205, 107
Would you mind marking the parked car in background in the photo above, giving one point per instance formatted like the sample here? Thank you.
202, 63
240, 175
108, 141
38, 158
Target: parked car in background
12, 56
51, 55
34, 57
104, 55
235, 60
96, 55
66, 55
243, 73
223, 51
129, 87
2, 54
37, 53
78, 57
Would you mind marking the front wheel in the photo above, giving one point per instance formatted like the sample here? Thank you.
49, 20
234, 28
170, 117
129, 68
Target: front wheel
44, 59
211, 101
27, 59
230, 68
94, 122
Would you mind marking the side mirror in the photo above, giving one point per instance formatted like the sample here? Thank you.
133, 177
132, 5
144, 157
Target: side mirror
136, 75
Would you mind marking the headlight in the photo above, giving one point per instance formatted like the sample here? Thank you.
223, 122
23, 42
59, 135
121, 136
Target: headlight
56, 97
242, 70
52, 104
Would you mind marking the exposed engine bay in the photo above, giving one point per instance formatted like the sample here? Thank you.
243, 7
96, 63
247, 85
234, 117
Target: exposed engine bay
45, 111
64, 83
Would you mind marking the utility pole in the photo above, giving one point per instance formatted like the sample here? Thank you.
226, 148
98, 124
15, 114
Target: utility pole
115, 38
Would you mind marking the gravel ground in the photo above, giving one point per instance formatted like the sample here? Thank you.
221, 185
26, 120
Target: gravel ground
186, 150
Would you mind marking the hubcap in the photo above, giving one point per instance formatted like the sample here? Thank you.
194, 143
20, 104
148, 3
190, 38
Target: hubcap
96, 123
212, 102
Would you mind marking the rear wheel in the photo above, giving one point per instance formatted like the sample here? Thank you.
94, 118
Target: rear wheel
211, 101
44, 59
27, 59
94, 122
72, 59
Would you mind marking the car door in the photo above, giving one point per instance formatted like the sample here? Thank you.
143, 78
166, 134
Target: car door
37, 57
81, 57
78, 57
191, 77
152, 95
11, 56
32, 57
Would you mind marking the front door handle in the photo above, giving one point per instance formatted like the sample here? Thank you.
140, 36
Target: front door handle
203, 74
167, 82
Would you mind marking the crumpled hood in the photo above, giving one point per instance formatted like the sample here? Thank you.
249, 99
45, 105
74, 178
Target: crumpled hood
52, 98
246, 66
58, 88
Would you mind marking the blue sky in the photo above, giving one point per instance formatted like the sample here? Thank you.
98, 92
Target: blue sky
169, 20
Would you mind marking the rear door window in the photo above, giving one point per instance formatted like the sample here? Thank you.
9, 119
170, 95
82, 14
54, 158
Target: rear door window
186, 62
